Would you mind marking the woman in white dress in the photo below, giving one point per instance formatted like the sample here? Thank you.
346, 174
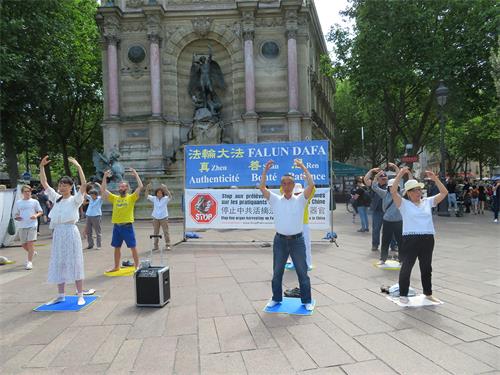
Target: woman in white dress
66, 257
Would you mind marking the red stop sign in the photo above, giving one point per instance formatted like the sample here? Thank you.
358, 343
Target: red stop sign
203, 208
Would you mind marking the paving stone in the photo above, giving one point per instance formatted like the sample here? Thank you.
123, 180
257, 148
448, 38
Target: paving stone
375, 299
375, 367
388, 317
183, 279
209, 342
261, 336
483, 351
253, 274
236, 303
335, 294
346, 342
207, 271
336, 370
83, 347
107, 351
182, 267
257, 290
48, 331
156, 355
362, 319
495, 341
489, 319
210, 305
401, 358
441, 354
150, 322
233, 334
182, 320
123, 313
125, 358
266, 361
96, 314
343, 323
322, 349
460, 330
87, 369
216, 285
25, 354
183, 295
222, 363
50, 352
186, 356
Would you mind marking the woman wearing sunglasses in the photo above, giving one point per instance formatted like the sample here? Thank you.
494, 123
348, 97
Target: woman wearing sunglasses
418, 230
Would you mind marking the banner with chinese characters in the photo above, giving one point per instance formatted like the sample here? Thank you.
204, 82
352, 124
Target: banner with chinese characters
241, 165
245, 209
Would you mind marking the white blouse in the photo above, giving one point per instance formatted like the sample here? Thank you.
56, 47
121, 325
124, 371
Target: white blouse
66, 210
417, 219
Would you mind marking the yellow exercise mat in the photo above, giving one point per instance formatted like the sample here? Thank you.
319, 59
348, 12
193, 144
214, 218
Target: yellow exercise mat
7, 262
391, 265
124, 271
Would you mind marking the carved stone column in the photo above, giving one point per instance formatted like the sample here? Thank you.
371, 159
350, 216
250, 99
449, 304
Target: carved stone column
293, 75
154, 58
250, 117
111, 36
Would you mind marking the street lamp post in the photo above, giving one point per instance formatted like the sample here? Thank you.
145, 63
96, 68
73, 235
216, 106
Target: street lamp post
442, 96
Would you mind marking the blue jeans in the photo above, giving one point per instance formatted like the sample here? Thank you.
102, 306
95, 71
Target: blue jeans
377, 220
452, 200
363, 215
296, 248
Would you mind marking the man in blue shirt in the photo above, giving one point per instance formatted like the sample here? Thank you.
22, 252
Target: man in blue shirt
94, 214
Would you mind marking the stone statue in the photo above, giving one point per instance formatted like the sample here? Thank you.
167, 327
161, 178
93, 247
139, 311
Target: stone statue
102, 163
205, 77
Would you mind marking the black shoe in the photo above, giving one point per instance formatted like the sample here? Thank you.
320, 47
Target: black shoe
127, 263
293, 293
90, 247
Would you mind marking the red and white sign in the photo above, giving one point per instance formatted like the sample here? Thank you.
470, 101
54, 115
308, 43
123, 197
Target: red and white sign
409, 159
203, 208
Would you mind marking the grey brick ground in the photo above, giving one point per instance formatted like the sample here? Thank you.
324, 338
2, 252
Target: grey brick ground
214, 323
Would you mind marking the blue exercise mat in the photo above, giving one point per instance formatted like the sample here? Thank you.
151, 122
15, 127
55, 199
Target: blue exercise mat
71, 304
292, 306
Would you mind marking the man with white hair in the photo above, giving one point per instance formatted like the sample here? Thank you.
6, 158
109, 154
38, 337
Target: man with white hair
289, 239
123, 216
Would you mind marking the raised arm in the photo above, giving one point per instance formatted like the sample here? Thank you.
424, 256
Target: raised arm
394, 188
43, 177
104, 186
139, 187
265, 192
443, 192
366, 179
165, 189
310, 182
147, 189
83, 181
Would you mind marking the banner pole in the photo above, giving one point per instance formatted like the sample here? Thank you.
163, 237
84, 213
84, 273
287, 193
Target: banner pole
332, 194
183, 201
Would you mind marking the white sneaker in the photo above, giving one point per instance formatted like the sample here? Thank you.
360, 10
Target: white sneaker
309, 306
28, 265
81, 301
56, 300
404, 300
35, 253
272, 303
495, 221
98, 248
380, 263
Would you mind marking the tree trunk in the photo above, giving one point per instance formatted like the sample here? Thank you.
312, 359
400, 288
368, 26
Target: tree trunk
65, 155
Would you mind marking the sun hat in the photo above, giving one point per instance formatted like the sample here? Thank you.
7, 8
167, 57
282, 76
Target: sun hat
297, 189
412, 184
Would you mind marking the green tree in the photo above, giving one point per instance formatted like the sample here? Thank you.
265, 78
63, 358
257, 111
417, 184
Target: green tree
400, 49
50, 79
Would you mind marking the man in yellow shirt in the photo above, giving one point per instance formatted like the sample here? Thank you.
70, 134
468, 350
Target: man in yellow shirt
123, 216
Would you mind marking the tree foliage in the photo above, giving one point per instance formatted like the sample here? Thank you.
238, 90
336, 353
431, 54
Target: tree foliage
399, 50
50, 79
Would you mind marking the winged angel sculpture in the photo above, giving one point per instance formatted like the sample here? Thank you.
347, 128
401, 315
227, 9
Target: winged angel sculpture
102, 163
206, 76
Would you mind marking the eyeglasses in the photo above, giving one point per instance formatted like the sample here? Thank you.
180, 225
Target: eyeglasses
416, 189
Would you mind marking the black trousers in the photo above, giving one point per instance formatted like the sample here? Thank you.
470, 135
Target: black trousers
389, 229
418, 246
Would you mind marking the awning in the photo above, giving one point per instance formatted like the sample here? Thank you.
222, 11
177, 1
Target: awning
347, 170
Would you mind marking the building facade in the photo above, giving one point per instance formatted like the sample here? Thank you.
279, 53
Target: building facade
268, 51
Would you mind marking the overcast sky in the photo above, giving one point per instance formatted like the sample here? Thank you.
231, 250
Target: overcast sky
328, 13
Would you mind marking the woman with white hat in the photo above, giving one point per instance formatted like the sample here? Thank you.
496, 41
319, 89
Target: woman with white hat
418, 230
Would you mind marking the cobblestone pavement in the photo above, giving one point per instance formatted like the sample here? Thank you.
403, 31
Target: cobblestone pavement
214, 323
